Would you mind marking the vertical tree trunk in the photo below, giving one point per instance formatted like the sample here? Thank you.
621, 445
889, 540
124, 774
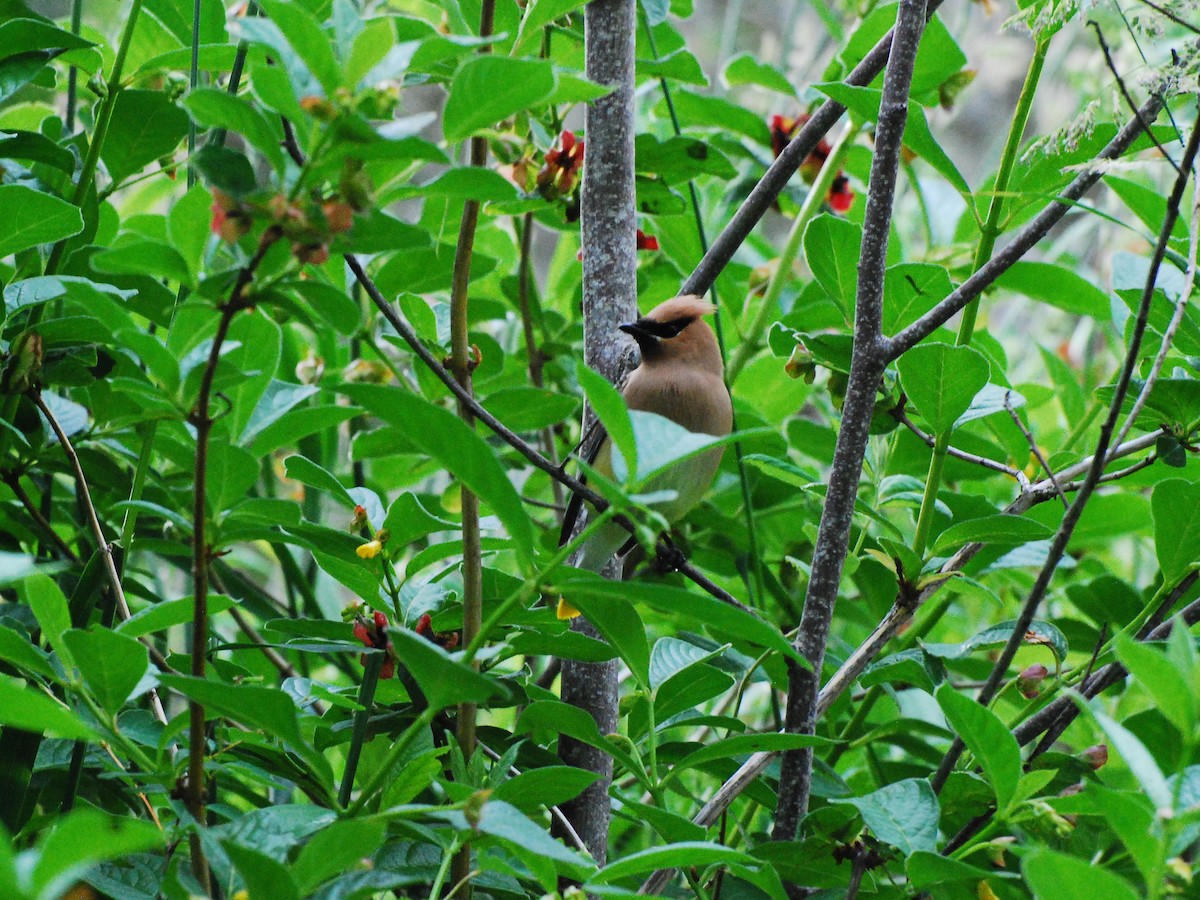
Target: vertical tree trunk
609, 226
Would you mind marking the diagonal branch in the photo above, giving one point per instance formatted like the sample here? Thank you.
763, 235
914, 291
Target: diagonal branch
767, 191
1025, 239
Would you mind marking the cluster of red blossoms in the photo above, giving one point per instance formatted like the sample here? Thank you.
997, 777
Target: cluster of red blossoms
558, 175
372, 632
783, 128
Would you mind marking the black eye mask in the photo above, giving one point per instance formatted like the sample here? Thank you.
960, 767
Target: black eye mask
650, 330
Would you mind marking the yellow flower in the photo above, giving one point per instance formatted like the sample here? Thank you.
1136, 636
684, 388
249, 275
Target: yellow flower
370, 549
566, 610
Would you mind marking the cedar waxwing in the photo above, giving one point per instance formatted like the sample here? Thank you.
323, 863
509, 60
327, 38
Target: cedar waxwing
682, 378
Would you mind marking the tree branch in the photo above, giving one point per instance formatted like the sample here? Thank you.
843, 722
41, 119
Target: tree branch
867, 364
1025, 239
767, 191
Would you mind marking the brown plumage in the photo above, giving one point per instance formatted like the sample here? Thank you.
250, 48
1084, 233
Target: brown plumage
681, 377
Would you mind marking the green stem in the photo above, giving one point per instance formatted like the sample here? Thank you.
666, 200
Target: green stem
87, 175
366, 697
384, 769
989, 232
769, 309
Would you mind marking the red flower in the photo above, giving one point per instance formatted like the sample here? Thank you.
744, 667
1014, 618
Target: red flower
646, 241
840, 198
557, 177
447, 640
373, 633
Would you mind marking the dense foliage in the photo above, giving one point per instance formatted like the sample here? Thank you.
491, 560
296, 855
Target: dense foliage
236, 488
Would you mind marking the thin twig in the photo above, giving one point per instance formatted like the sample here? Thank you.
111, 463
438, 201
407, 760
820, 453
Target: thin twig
1033, 445
1168, 338
1162, 11
1112, 67
202, 420
13, 480
102, 545
930, 441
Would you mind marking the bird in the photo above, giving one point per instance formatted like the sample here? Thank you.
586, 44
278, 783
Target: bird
681, 377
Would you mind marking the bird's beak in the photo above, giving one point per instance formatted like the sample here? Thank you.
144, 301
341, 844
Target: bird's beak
637, 332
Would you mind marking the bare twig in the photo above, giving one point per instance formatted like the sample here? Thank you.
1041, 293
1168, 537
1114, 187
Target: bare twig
930, 441
1168, 338
202, 420
1033, 445
1112, 67
13, 480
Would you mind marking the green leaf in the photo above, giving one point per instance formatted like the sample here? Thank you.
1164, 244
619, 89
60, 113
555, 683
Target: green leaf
540, 13
16, 648
915, 667
544, 787
508, 823
703, 111
213, 108
443, 679
530, 408
1158, 675
1056, 876
864, 102
941, 380
225, 169
680, 159
699, 608
909, 291
145, 126
31, 710
904, 814
267, 709
26, 46
1175, 505
83, 838
1040, 633
466, 183
138, 257
1057, 286
926, 870
489, 88
407, 519
262, 875
744, 744
51, 610
34, 217
336, 848
188, 225
622, 627
232, 472
168, 614
671, 656
832, 246
442, 435
304, 470
609, 406
1004, 529
1135, 754
745, 69
988, 739
15, 567
111, 663
688, 854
